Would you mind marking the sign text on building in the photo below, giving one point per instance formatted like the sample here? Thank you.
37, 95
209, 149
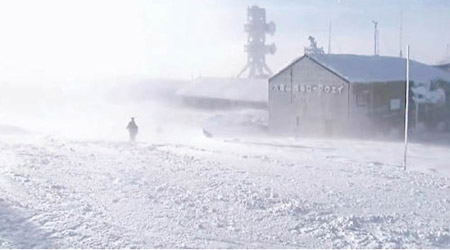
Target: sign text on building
304, 88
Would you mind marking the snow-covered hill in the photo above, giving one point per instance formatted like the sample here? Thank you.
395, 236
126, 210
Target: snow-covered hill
84, 186
221, 193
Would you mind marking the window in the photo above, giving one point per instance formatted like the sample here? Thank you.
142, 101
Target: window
395, 104
363, 98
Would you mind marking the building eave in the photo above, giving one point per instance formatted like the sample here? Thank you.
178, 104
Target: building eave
315, 61
287, 67
327, 68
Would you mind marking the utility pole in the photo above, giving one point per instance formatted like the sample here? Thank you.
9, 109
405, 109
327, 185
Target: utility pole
406, 108
376, 49
401, 34
329, 39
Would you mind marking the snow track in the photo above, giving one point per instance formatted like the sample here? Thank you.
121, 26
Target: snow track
215, 194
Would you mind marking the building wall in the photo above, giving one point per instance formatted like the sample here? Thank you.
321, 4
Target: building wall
445, 67
220, 104
378, 109
306, 98
280, 106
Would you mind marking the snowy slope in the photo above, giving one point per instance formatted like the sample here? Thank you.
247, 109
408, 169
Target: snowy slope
221, 193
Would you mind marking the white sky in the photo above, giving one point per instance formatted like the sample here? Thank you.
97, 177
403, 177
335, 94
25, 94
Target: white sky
54, 41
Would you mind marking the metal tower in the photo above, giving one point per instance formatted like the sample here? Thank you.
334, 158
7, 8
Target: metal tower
376, 39
256, 47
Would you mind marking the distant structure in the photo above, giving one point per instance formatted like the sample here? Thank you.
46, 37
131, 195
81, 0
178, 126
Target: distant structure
329, 39
225, 93
401, 35
354, 95
376, 49
313, 49
213, 93
256, 47
444, 63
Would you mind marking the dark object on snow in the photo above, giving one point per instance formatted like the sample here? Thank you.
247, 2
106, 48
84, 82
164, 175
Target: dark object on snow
132, 129
207, 134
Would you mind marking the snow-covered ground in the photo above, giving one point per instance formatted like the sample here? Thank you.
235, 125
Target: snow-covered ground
70, 179
221, 193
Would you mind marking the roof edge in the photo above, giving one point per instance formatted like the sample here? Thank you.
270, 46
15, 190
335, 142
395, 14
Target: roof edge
327, 68
287, 66
315, 61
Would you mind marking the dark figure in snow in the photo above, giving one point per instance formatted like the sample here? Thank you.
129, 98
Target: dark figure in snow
132, 129
207, 134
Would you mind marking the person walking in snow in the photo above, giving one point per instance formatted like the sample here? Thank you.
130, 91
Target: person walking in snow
132, 129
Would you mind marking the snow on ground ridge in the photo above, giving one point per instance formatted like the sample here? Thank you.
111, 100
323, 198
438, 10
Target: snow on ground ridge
175, 195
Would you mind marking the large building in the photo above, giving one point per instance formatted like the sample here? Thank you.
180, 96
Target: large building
351, 95
225, 93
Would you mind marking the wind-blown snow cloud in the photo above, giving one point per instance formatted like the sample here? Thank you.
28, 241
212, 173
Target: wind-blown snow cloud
58, 41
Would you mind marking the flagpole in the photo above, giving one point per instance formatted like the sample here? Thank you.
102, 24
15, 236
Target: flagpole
406, 108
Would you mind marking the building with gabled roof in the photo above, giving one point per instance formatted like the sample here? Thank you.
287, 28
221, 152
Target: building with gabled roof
346, 94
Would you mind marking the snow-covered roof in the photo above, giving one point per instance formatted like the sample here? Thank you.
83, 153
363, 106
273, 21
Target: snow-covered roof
371, 69
235, 89
444, 61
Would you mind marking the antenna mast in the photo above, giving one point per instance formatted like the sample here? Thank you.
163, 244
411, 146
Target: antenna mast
329, 39
401, 34
376, 50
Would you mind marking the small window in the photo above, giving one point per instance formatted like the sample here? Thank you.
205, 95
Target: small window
363, 98
395, 104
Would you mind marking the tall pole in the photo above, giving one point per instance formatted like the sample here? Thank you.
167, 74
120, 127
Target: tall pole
376, 49
375, 39
401, 34
417, 113
406, 108
329, 39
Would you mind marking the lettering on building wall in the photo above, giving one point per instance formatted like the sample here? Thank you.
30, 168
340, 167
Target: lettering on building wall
319, 88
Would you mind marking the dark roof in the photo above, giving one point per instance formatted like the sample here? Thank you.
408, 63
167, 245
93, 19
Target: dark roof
236, 89
444, 61
371, 69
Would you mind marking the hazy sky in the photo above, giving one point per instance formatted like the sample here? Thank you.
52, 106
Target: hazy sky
56, 41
